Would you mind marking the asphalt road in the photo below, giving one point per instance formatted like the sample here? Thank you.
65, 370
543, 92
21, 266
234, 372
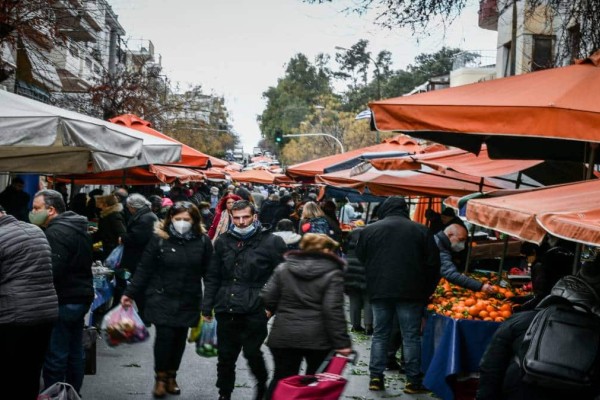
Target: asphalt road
126, 372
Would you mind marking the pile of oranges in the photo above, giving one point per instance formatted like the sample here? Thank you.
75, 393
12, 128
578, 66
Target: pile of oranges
456, 302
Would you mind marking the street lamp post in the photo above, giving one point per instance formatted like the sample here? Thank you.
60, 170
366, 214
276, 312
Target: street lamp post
377, 78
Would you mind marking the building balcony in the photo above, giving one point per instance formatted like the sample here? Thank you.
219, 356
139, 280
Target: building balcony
72, 23
488, 14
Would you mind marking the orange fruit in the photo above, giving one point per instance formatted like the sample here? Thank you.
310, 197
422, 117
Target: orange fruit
474, 311
506, 307
499, 319
490, 308
494, 314
505, 314
483, 314
470, 302
488, 319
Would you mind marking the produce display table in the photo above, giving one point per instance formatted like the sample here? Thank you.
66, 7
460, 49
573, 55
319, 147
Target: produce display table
451, 347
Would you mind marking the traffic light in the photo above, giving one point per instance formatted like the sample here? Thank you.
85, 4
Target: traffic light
278, 137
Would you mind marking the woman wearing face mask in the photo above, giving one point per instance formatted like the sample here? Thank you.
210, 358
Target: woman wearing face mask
170, 275
451, 241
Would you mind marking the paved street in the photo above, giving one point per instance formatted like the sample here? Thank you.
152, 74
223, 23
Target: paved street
126, 372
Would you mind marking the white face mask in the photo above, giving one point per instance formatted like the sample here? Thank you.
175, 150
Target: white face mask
291, 203
244, 231
457, 247
182, 227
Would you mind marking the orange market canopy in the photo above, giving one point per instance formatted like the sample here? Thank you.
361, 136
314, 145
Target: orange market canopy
570, 211
309, 169
190, 157
456, 160
410, 183
552, 114
260, 176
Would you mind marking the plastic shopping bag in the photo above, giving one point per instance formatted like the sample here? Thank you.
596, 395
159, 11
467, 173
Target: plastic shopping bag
113, 261
194, 333
59, 391
123, 325
206, 345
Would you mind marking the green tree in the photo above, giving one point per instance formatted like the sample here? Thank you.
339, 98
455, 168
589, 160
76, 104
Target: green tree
294, 96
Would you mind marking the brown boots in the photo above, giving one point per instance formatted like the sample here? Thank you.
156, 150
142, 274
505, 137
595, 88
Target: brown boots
172, 386
165, 383
160, 385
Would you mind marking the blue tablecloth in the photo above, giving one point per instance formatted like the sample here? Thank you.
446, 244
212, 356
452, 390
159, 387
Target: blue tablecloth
450, 347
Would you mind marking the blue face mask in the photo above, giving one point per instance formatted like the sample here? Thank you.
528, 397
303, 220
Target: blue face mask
244, 231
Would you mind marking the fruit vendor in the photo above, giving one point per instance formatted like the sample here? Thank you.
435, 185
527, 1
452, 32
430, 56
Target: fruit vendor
452, 240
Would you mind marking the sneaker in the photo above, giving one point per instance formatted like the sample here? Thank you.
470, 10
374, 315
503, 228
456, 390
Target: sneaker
376, 384
415, 388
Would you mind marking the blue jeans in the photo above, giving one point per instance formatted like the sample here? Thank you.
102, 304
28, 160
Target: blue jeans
409, 315
65, 360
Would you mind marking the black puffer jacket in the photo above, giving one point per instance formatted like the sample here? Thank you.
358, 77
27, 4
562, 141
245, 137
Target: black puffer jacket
72, 257
139, 232
238, 270
400, 256
27, 295
307, 294
170, 275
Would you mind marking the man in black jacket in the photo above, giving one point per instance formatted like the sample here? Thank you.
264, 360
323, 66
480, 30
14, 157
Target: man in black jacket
402, 265
72, 257
244, 258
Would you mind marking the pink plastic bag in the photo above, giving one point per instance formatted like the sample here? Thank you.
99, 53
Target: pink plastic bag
123, 325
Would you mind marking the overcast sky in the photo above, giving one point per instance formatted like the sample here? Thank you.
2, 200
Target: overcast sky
238, 48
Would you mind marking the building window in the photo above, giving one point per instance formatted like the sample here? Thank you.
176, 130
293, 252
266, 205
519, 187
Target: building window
542, 52
574, 41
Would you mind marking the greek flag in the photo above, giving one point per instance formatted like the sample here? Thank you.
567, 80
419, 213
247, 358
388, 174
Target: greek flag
366, 114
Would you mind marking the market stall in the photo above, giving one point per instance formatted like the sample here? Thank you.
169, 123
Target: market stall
459, 326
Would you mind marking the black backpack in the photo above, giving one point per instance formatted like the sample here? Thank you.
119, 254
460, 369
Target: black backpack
561, 348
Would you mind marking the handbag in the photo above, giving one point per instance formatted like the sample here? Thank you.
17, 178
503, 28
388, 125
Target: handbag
59, 391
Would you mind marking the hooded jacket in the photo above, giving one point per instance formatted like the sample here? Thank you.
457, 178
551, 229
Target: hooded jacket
27, 295
72, 258
401, 259
306, 292
291, 239
170, 276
